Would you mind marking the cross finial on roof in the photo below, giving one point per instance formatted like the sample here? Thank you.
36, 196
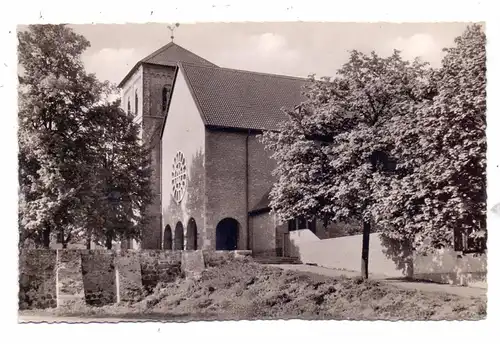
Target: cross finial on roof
172, 28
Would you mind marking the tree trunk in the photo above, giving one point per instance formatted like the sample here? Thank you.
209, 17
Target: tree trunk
46, 237
64, 240
365, 249
408, 257
109, 241
88, 242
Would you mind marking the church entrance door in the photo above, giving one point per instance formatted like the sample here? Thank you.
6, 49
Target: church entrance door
226, 235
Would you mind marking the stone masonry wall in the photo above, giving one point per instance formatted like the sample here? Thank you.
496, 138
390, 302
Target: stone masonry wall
103, 277
98, 271
70, 289
159, 266
37, 279
128, 275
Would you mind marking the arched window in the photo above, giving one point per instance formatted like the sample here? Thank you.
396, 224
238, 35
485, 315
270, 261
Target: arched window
179, 236
167, 238
128, 105
192, 235
136, 103
164, 97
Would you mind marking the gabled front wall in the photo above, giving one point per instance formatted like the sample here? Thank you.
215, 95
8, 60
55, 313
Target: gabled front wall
184, 132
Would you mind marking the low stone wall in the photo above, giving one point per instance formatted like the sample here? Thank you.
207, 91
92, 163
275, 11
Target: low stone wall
37, 279
70, 288
216, 258
159, 267
50, 278
98, 271
128, 275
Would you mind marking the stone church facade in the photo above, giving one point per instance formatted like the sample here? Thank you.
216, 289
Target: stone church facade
212, 175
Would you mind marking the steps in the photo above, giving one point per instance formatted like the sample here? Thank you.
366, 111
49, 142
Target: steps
276, 260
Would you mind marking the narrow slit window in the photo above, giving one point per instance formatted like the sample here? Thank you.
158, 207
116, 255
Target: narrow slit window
136, 103
164, 96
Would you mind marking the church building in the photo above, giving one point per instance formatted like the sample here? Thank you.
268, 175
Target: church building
212, 175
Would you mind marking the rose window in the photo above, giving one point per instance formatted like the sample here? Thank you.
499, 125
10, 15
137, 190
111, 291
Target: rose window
179, 177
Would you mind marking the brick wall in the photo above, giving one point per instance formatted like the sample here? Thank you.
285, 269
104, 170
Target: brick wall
37, 279
260, 167
225, 180
264, 234
154, 79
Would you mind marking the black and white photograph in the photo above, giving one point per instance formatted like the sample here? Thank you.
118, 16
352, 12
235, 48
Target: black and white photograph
182, 172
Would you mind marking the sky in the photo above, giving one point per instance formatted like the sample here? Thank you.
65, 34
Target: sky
298, 49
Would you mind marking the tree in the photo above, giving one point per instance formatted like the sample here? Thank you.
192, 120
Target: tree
121, 175
62, 140
443, 148
55, 92
336, 144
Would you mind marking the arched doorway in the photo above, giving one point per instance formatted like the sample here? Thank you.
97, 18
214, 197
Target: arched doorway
179, 236
192, 235
167, 238
226, 234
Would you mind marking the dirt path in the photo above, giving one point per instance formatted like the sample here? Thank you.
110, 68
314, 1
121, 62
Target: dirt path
421, 286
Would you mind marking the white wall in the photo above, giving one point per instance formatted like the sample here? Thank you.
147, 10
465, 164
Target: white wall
449, 266
341, 253
135, 82
184, 131
344, 253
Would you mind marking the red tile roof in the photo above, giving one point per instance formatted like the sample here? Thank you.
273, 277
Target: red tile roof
239, 99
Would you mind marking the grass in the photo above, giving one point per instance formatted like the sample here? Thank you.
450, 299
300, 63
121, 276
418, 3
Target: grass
241, 289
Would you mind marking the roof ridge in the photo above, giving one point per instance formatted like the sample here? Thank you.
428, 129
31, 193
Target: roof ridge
202, 58
245, 71
158, 51
173, 63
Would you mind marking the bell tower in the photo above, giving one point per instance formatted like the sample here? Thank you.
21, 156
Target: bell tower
146, 92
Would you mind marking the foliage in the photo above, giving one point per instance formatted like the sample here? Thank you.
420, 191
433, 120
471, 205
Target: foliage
392, 142
120, 179
58, 136
325, 150
442, 145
